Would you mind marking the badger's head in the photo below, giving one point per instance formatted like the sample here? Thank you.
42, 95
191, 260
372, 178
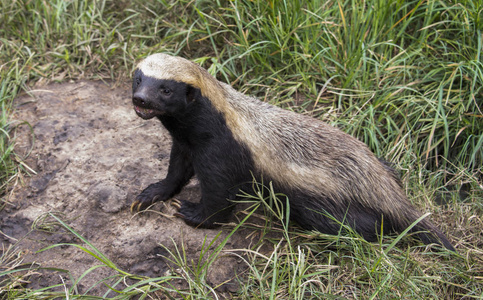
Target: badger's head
156, 97
164, 85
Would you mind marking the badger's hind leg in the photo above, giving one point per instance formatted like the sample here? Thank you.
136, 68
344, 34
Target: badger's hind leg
202, 215
192, 214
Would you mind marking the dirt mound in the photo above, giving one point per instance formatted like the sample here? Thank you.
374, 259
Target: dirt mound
92, 156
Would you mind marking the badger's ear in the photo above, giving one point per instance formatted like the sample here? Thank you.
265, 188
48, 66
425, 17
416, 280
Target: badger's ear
192, 93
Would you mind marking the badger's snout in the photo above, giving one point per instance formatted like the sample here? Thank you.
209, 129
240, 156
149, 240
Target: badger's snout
142, 106
139, 99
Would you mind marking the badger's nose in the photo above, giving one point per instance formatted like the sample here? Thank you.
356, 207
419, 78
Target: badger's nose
139, 99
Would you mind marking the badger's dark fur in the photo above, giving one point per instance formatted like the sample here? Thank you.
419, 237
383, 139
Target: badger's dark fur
226, 138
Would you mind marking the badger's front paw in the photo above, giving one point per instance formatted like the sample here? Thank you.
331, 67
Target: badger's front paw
153, 193
192, 214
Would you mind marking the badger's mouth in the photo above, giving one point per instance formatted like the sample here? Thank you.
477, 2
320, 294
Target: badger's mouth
146, 113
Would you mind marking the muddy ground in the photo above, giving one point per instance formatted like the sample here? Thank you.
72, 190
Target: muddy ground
92, 155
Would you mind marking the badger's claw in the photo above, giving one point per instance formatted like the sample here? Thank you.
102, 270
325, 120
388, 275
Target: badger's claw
176, 203
135, 206
142, 203
178, 215
138, 206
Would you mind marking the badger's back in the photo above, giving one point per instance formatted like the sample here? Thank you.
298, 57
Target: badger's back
308, 154
325, 171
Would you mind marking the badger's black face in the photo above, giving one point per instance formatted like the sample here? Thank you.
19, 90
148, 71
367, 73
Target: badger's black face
156, 97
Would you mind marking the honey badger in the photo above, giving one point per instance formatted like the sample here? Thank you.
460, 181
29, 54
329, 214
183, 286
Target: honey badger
227, 138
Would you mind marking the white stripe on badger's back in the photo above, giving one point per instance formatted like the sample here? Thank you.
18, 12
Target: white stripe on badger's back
304, 153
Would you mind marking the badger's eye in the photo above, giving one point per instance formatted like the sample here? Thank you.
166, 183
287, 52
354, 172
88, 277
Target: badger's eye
166, 91
137, 81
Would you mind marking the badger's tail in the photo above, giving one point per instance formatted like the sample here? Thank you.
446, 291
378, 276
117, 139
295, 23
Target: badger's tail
430, 234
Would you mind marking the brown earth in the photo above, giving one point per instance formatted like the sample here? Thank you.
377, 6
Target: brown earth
92, 155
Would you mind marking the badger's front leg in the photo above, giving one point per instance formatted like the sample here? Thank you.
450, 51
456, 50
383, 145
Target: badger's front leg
180, 172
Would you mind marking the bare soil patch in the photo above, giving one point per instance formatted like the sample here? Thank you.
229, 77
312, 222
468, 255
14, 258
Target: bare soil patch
92, 156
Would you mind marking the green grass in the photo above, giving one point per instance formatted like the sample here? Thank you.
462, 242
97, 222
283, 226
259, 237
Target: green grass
405, 77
